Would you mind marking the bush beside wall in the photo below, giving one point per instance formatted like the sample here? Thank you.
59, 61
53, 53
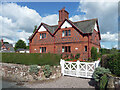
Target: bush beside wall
31, 58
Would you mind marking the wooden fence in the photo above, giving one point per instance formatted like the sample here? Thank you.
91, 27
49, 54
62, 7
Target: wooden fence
78, 69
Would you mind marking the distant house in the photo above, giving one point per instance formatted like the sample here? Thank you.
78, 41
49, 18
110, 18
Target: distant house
6, 47
22, 50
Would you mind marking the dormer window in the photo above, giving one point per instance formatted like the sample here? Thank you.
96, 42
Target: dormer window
42, 35
66, 33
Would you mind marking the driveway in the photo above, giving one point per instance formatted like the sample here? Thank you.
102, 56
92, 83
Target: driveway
63, 82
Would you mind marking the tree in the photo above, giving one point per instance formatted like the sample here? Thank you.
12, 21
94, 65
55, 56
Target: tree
20, 44
94, 54
35, 28
6, 42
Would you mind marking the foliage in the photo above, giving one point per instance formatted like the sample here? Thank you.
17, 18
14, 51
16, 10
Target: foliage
20, 44
6, 42
113, 63
35, 28
77, 56
31, 58
108, 51
94, 54
27, 47
34, 69
71, 56
99, 72
103, 81
47, 71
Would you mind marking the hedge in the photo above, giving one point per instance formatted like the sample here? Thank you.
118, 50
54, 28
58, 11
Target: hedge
112, 62
31, 58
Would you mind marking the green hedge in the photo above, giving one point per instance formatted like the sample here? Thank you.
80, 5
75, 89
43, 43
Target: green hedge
31, 58
112, 62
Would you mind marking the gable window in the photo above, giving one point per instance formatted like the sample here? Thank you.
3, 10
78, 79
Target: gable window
42, 35
42, 49
85, 48
66, 33
66, 49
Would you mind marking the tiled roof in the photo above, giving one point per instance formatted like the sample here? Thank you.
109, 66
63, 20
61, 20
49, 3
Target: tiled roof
51, 28
85, 26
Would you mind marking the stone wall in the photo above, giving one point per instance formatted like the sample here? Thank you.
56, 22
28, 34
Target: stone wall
17, 72
113, 82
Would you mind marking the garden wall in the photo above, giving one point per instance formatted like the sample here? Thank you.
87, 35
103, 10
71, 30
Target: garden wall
16, 72
113, 82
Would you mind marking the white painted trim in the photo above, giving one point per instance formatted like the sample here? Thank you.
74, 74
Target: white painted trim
42, 28
66, 24
95, 27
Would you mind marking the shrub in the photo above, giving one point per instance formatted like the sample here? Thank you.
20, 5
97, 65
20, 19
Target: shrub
77, 56
47, 71
71, 55
94, 54
33, 69
103, 81
99, 72
113, 63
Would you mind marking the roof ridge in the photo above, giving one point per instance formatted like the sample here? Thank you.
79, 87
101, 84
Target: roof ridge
86, 20
49, 25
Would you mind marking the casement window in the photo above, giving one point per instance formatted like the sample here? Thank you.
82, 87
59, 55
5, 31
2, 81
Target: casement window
42, 49
85, 48
42, 35
66, 33
66, 49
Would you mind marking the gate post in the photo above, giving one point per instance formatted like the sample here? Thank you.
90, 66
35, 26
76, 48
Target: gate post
62, 62
77, 70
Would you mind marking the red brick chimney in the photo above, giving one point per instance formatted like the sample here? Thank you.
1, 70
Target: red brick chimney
2, 41
62, 15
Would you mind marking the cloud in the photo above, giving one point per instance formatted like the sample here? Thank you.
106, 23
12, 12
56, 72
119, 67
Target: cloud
106, 12
17, 22
51, 19
109, 37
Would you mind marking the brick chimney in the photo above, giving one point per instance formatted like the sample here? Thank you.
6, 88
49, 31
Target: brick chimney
62, 15
2, 41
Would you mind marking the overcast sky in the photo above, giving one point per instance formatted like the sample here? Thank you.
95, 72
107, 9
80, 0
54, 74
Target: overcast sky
18, 19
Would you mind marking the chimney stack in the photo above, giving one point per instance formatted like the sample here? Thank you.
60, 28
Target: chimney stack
62, 15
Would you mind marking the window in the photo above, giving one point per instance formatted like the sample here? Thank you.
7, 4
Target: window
66, 33
85, 48
42, 49
66, 49
42, 35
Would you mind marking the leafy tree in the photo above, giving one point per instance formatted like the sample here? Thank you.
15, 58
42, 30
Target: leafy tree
20, 44
35, 28
94, 54
27, 47
6, 42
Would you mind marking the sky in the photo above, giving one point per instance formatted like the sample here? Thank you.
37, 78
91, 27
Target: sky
17, 19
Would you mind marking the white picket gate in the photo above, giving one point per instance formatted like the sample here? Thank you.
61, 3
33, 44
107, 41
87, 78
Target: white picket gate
78, 69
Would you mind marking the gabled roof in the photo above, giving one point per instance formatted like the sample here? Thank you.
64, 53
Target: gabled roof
50, 28
84, 27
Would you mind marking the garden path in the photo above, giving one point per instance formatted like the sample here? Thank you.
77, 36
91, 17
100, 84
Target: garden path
63, 82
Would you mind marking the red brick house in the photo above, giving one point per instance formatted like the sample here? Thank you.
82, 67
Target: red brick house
67, 37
